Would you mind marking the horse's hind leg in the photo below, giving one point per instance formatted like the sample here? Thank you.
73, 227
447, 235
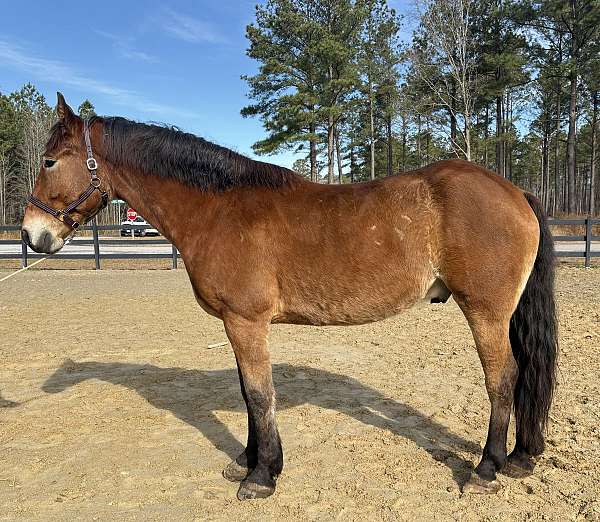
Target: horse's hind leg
500, 369
264, 456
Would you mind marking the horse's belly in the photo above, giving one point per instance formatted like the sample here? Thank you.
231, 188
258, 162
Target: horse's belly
348, 309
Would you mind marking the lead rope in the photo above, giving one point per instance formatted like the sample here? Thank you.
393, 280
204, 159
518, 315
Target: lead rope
23, 269
32, 264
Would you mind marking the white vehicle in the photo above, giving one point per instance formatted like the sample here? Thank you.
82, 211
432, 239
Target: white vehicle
135, 227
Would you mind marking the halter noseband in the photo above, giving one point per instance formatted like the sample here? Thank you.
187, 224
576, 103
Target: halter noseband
64, 214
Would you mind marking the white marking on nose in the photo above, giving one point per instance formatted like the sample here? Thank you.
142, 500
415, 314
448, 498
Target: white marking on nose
36, 227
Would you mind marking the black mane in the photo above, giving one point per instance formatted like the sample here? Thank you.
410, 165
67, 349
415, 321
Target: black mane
170, 153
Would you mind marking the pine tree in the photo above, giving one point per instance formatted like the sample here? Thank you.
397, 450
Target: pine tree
576, 23
86, 109
379, 59
284, 39
501, 59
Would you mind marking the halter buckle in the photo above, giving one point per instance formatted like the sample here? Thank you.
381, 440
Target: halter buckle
91, 164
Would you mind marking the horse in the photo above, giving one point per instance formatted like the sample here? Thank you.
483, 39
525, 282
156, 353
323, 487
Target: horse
263, 245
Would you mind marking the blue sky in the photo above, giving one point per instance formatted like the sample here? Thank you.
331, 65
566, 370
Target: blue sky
173, 62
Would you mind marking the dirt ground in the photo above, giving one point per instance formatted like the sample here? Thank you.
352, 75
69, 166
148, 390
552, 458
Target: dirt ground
113, 407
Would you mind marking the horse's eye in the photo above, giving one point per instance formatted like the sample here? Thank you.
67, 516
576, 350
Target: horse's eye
48, 163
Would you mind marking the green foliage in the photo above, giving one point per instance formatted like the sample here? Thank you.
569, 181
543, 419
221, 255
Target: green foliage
313, 66
10, 130
338, 65
86, 109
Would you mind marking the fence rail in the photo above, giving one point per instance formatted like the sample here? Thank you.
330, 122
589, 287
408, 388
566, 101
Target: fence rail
96, 241
97, 255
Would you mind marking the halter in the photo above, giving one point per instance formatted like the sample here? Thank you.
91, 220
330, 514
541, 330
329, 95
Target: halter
64, 214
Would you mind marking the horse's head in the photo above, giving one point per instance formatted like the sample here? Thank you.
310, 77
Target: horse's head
67, 375
67, 191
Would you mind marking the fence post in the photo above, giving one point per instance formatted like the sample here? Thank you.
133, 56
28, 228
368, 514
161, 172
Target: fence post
96, 244
588, 242
174, 253
23, 254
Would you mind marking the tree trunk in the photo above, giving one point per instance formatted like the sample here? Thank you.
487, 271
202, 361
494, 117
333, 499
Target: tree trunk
452, 112
3, 198
564, 187
330, 148
388, 124
508, 146
352, 163
372, 130
339, 157
403, 145
418, 139
499, 137
427, 141
467, 135
486, 135
592, 203
557, 199
571, 160
545, 168
313, 154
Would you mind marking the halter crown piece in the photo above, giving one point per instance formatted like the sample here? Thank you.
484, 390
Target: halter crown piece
92, 165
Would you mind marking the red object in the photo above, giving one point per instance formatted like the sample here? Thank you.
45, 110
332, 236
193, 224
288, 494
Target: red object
131, 214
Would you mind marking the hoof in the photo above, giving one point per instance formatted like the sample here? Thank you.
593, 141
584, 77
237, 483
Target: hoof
249, 490
235, 472
518, 466
478, 486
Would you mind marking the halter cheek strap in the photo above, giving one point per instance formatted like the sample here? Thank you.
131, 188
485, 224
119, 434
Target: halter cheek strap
92, 165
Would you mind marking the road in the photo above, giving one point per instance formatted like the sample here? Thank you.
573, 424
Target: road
125, 247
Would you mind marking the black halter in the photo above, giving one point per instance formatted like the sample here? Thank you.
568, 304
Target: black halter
64, 214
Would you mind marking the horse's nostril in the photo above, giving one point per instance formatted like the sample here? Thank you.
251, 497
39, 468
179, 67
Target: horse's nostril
46, 241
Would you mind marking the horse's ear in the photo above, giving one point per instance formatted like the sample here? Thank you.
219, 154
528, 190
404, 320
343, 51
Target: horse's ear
65, 113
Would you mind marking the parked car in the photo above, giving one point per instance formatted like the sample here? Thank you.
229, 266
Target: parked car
136, 225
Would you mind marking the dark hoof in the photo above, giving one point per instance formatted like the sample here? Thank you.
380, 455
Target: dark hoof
478, 486
249, 490
236, 472
518, 466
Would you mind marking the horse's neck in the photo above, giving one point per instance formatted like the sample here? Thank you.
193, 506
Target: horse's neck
165, 203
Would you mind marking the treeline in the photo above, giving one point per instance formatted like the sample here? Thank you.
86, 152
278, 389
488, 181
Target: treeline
25, 119
512, 85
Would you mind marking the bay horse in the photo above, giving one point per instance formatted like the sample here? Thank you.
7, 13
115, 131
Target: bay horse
263, 245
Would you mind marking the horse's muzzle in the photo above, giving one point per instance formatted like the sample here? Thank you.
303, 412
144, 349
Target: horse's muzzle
42, 242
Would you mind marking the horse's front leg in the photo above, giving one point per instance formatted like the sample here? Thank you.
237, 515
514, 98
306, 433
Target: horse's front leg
239, 468
263, 457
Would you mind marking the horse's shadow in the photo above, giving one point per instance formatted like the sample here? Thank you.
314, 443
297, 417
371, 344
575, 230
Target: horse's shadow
193, 396
5, 403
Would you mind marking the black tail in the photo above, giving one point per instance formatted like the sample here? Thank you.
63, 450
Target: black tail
533, 337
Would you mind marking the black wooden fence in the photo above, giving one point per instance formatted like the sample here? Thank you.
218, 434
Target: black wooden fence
97, 255
587, 238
